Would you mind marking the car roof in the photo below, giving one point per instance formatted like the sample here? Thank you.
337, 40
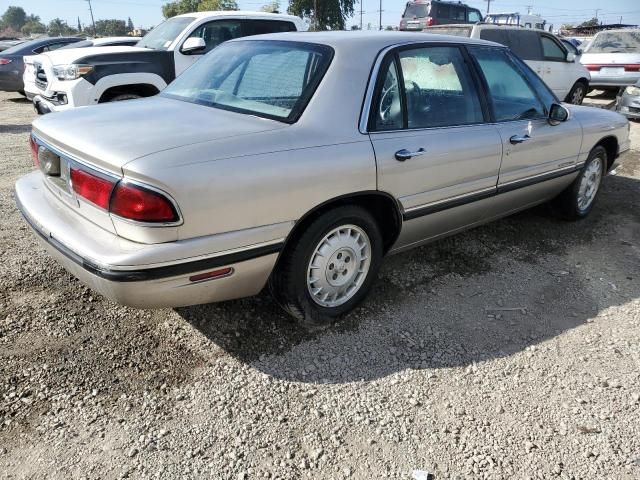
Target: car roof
38, 42
239, 13
371, 40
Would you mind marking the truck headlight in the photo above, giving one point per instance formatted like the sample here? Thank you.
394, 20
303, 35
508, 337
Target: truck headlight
71, 72
631, 90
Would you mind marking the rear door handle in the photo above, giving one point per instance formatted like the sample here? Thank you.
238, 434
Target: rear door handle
519, 139
404, 154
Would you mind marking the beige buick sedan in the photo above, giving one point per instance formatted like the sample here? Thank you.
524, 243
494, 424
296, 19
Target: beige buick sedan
300, 160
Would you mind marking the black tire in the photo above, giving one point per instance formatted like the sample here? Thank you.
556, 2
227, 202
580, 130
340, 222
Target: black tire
124, 96
566, 205
577, 93
288, 283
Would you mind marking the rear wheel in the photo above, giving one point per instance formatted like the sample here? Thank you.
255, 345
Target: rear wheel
577, 93
578, 199
331, 266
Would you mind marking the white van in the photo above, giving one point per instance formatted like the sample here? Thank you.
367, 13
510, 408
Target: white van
518, 20
542, 51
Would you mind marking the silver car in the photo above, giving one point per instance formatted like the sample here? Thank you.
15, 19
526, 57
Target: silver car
613, 58
301, 160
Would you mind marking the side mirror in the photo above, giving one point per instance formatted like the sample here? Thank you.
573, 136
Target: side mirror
193, 45
558, 114
571, 57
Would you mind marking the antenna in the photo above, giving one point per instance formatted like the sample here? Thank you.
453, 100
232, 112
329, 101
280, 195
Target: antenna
92, 20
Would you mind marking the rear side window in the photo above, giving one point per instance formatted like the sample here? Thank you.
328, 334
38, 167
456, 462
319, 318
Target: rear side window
525, 44
495, 35
258, 27
458, 14
511, 95
552, 51
475, 16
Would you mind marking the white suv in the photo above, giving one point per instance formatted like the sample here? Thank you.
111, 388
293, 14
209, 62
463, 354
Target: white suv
77, 77
542, 51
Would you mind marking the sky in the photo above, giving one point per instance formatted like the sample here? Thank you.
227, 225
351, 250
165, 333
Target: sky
146, 13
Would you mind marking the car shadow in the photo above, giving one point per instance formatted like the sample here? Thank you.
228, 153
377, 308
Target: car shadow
19, 99
15, 128
487, 293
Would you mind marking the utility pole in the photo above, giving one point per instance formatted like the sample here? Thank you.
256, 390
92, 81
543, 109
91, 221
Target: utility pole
488, 6
529, 7
380, 21
597, 10
361, 15
92, 20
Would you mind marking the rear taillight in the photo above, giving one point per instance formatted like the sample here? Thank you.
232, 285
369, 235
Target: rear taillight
592, 68
92, 188
33, 146
141, 204
430, 21
5, 61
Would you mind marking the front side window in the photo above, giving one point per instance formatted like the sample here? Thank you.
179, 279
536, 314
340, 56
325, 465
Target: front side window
552, 51
216, 32
266, 78
164, 34
511, 96
439, 88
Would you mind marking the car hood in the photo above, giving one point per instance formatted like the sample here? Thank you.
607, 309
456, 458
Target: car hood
113, 134
609, 58
66, 56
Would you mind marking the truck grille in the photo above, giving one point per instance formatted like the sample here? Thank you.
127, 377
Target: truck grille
41, 76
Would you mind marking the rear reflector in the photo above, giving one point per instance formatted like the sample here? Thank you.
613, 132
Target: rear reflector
34, 151
628, 67
222, 272
92, 188
5, 61
141, 204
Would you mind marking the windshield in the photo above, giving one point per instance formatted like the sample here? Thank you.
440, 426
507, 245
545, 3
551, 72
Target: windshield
615, 42
271, 79
416, 10
82, 44
164, 34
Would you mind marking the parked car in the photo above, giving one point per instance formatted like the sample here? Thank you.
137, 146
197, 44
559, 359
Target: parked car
421, 14
518, 20
542, 51
613, 58
8, 42
301, 160
12, 66
628, 102
105, 42
72, 78
571, 46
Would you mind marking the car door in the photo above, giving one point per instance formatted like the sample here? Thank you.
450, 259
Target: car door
534, 150
434, 150
559, 74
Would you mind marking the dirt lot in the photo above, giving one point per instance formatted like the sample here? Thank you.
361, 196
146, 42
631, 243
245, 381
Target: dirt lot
511, 351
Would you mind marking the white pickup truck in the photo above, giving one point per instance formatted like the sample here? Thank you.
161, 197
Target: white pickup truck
66, 79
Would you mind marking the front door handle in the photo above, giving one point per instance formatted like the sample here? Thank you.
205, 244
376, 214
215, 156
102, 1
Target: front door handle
519, 139
404, 154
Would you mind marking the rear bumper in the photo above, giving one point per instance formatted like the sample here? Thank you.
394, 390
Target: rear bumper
598, 80
90, 253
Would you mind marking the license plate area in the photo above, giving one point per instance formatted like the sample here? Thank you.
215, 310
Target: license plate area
613, 71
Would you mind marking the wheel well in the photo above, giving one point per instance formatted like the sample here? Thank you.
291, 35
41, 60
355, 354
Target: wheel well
583, 80
610, 144
142, 89
382, 206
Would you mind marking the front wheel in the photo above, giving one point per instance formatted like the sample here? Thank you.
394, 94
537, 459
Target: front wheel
578, 199
331, 266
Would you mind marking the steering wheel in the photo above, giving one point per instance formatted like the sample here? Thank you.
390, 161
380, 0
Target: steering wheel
418, 101
386, 102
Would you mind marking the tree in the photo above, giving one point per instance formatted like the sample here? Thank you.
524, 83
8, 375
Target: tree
111, 28
271, 7
178, 7
14, 17
129, 25
58, 27
214, 5
331, 14
32, 28
590, 23
79, 25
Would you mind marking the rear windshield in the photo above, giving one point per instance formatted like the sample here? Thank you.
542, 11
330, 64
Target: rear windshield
271, 79
615, 42
457, 31
164, 34
416, 10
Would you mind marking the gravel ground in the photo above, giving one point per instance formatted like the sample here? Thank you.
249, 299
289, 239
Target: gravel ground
510, 351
